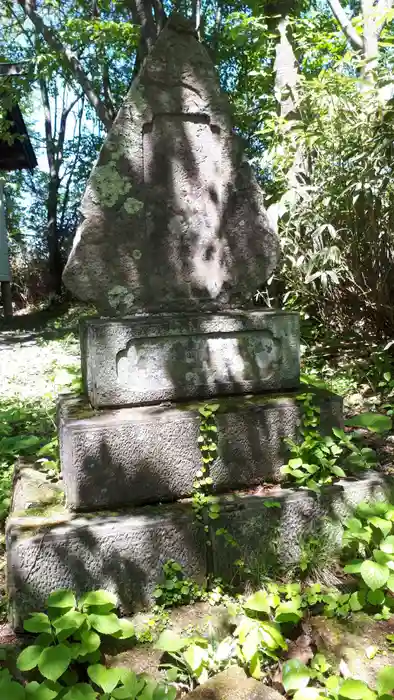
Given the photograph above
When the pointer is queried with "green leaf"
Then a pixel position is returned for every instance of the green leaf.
(271, 636)
(288, 612)
(356, 690)
(98, 599)
(90, 641)
(194, 656)
(357, 601)
(381, 524)
(105, 624)
(383, 558)
(39, 622)
(259, 602)
(387, 546)
(385, 680)
(376, 422)
(338, 471)
(295, 675)
(54, 661)
(11, 690)
(390, 583)
(105, 678)
(70, 622)
(164, 692)
(251, 645)
(131, 682)
(308, 694)
(354, 567)
(375, 597)
(295, 463)
(373, 574)
(63, 598)
(171, 642)
(81, 691)
(40, 691)
(29, 657)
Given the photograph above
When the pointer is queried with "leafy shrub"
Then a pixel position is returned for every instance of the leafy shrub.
(26, 430)
(312, 683)
(66, 654)
(368, 534)
(176, 589)
(192, 660)
(318, 460)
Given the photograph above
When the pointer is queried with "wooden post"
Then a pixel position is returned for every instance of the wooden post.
(5, 272)
(6, 299)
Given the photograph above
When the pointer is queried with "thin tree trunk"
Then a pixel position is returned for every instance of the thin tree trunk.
(371, 39)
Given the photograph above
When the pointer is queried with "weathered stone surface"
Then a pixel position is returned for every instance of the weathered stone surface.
(151, 454)
(173, 217)
(168, 357)
(33, 490)
(268, 537)
(233, 684)
(123, 553)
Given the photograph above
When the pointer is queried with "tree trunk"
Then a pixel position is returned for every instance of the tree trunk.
(370, 39)
(286, 74)
(55, 261)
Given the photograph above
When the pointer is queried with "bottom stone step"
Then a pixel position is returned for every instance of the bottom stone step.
(124, 552)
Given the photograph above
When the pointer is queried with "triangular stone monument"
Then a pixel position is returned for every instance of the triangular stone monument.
(173, 218)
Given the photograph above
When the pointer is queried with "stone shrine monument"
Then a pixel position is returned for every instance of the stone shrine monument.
(173, 244)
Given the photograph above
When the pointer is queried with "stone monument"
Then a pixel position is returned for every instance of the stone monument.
(173, 244)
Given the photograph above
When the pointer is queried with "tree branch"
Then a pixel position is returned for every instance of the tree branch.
(382, 7)
(62, 131)
(70, 60)
(346, 25)
(72, 169)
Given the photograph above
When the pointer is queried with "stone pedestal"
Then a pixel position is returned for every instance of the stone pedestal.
(168, 357)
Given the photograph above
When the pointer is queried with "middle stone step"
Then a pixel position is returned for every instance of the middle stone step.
(149, 454)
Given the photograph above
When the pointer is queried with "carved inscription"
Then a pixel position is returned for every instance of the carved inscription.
(202, 360)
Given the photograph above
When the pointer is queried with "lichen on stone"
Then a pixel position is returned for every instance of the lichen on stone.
(132, 205)
(108, 185)
(121, 299)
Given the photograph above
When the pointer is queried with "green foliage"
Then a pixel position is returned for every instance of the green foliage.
(207, 441)
(336, 225)
(26, 431)
(318, 460)
(369, 556)
(192, 660)
(260, 639)
(67, 649)
(176, 589)
(375, 422)
(313, 682)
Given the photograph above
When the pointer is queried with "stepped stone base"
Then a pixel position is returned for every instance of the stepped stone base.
(124, 552)
(150, 454)
(166, 357)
